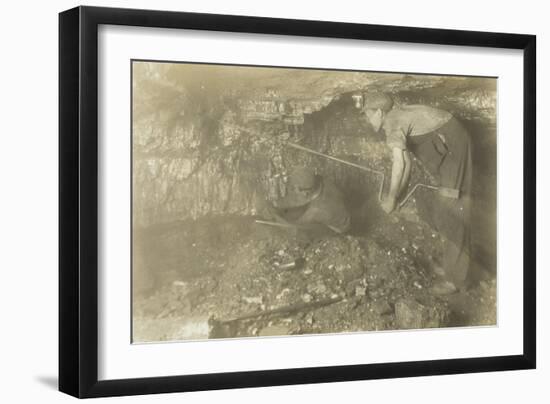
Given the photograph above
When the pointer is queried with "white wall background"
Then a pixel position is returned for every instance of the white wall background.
(28, 199)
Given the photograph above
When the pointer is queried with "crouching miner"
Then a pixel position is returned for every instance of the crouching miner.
(312, 203)
(443, 145)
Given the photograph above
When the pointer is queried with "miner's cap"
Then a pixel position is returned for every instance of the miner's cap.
(302, 177)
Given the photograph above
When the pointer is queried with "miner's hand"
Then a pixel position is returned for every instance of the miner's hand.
(272, 213)
(389, 204)
(269, 211)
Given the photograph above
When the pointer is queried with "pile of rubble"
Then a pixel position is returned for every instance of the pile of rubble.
(276, 282)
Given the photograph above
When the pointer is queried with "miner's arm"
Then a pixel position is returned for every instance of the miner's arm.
(401, 169)
(406, 173)
(274, 214)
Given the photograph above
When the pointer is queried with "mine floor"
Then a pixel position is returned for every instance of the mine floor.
(213, 271)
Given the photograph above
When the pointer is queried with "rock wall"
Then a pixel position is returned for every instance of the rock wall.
(211, 140)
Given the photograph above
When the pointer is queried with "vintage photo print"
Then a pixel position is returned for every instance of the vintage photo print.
(271, 201)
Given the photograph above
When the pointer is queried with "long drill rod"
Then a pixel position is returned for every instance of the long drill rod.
(446, 192)
(289, 309)
(349, 163)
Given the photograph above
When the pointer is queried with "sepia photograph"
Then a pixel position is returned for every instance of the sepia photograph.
(284, 201)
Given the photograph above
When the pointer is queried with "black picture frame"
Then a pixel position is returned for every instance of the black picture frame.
(78, 200)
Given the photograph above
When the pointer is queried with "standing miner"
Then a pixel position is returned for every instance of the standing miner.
(443, 145)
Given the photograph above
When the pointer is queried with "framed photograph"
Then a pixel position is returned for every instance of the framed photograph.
(251, 201)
